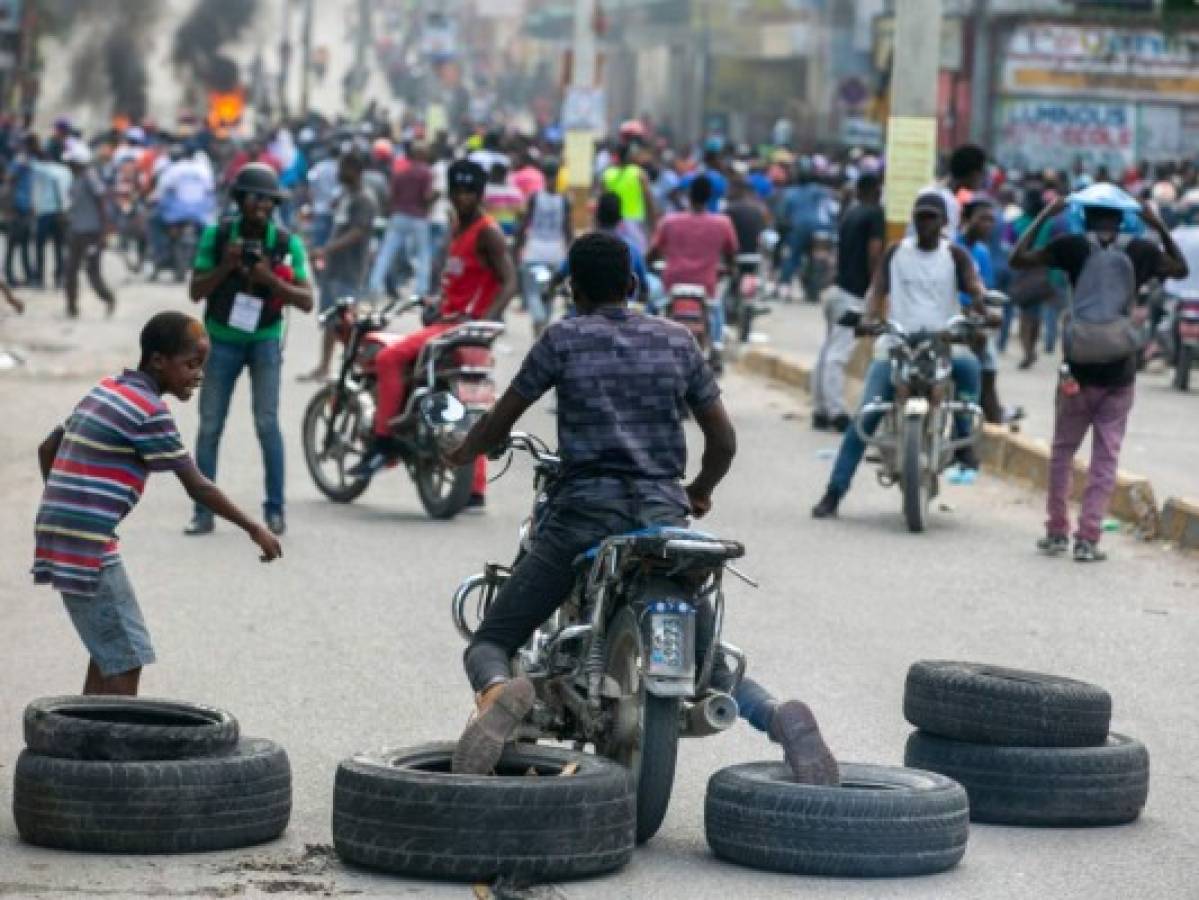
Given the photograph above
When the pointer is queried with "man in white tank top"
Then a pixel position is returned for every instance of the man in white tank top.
(919, 280)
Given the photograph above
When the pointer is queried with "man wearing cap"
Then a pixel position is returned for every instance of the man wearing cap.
(248, 271)
(478, 283)
(917, 287)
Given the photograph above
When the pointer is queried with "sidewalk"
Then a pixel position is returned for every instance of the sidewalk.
(1163, 432)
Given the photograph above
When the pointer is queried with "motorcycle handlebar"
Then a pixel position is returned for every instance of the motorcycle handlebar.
(528, 443)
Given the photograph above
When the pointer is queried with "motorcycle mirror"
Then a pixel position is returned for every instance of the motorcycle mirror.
(442, 410)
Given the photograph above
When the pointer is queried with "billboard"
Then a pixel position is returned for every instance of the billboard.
(1036, 134)
(1135, 63)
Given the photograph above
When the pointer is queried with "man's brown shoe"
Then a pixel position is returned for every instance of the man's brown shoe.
(794, 727)
(482, 743)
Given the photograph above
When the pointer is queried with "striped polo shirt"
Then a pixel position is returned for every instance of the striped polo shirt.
(117, 435)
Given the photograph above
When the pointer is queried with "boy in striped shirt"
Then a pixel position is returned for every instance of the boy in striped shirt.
(95, 468)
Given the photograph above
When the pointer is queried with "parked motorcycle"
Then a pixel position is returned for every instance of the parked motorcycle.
(626, 663)
(338, 421)
(915, 437)
(743, 295)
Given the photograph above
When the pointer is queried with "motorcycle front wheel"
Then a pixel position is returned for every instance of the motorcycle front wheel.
(444, 492)
(649, 747)
(333, 443)
(912, 477)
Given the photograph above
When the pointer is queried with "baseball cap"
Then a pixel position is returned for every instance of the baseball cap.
(465, 175)
(930, 201)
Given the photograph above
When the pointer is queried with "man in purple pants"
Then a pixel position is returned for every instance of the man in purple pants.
(1096, 387)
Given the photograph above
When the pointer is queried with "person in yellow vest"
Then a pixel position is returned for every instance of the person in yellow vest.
(627, 180)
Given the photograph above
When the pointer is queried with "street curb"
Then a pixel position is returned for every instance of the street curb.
(1023, 458)
(1180, 523)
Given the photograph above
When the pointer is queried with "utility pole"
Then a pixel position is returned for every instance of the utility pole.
(980, 74)
(305, 57)
(284, 56)
(580, 142)
(912, 126)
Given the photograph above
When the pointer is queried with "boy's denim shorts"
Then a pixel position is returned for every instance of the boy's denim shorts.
(110, 624)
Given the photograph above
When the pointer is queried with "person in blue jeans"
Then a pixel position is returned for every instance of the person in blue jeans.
(806, 209)
(917, 287)
(247, 270)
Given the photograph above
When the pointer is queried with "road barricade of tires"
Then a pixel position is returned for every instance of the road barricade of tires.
(547, 814)
(131, 775)
(1029, 748)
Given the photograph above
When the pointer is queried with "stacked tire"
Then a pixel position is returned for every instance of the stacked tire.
(140, 775)
(547, 814)
(1029, 748)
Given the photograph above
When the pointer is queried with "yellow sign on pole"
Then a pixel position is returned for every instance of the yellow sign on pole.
(911, 163)
(580, 158)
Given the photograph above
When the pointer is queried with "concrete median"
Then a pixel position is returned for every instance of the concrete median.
(1180, 522)
(1019, 457)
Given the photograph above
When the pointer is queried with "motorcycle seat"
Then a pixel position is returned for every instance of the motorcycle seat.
(664, 541)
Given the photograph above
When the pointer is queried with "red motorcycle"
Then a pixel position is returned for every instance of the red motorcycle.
(339, 420)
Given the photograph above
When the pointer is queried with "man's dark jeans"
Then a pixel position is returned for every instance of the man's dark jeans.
(542, 580)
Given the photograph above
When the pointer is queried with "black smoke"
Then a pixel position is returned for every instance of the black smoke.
(198, 41)
(118, 35)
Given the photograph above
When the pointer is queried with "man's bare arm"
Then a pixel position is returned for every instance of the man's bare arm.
(494, 251)
(720, 446)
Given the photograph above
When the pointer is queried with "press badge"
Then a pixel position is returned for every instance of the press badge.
(246, 311)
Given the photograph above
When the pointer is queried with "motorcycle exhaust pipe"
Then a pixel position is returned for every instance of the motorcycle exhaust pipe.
(715, 713)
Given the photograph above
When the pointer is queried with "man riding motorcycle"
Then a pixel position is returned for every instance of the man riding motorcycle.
(186, 193)
(623, 452)
(478, 283)
(919, 281)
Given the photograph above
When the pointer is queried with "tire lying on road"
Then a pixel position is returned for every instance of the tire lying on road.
(995, 705)
(402, 811)
(1066, 787)
(126, 728)
(235, 799)
(882, 821)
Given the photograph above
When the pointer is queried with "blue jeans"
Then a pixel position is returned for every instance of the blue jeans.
(264, 359)
(716, 322)
(322, 229)
(799, 241)
(411, 235)
(967, 378)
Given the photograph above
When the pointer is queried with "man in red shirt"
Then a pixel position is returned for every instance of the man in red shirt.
(693, 244)
(408, 229)
(478, 283)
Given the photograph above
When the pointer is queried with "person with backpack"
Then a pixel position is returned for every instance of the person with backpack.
(542, 236)
(1096, 386)
(247, 270)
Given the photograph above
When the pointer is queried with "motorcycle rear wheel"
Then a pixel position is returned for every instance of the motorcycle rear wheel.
(651, 752)
(443, 492)
(912, 477)
(340, 451)
(1182, 371)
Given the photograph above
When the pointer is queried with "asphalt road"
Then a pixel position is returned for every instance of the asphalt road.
(346, 644)
(1163, 430)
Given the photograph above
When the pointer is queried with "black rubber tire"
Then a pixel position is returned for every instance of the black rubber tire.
(235, 799)
(881, 822)
(449, 505)
(655, 764)
(401, 811)
(1042, 786)
(996, 705)
(126, 728)
(1182, 369)
(912, 482)
(344, 491)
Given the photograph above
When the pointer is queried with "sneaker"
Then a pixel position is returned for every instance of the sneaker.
(1088, 551)
(827, 507)
(477, 502)
(201, 523)
(821, 421)
(794, 727)
(276, 524)
(842, 422)
(1053, 544)
(482, 742)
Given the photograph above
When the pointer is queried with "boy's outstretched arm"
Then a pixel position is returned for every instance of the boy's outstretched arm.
(203, 491)
(720, 446)
(48, 449)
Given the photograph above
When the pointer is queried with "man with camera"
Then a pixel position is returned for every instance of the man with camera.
(248, 270)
